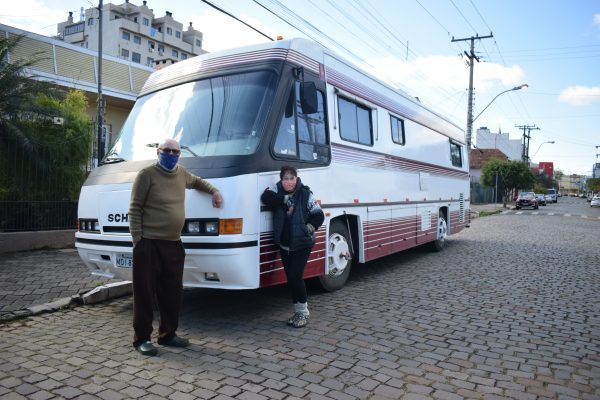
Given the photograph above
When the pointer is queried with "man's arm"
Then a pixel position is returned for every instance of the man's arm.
(202, 185)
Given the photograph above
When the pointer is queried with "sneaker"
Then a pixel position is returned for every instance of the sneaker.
(146, 349)
(290, 320)
(300, 320)
(175, 341)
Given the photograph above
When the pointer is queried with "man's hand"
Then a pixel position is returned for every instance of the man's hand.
(217, 199)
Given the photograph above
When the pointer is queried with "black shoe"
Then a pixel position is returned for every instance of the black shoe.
(147, 349)
(175, 341)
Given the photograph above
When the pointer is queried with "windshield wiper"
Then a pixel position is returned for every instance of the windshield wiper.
(112, 160)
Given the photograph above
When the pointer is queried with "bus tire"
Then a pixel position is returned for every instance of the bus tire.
(339, 257)
(442, 231)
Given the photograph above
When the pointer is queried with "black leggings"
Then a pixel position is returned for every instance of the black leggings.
(293, 264)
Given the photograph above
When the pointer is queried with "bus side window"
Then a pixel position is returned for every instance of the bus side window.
(397, 130)
(311, 132)
(455, 154)
(302, 135)
(285, 142)
(355, 122)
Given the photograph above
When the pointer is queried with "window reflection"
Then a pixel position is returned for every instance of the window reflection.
(218, 116)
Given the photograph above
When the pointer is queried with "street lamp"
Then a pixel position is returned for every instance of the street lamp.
(538, 149)
(471, 120)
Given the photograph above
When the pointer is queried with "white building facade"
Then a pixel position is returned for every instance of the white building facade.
(513, 148)
(133, 33)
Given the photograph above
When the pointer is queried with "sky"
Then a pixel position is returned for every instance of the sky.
(553, 46)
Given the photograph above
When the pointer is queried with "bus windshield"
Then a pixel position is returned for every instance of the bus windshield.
(217, 116)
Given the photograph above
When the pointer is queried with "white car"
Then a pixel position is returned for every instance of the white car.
(595, 201)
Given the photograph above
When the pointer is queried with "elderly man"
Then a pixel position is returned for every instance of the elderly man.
(156, 217)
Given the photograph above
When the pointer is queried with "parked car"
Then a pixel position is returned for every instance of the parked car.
(595, 202)
(541, 199)
(527, 199)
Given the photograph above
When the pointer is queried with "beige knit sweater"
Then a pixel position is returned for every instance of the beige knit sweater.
(156, 209)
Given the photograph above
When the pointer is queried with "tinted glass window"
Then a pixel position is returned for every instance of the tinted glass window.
(455, 154)
(302, 135)
(355, 122)
(397, 130)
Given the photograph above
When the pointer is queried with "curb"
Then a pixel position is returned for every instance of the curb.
(97, 295)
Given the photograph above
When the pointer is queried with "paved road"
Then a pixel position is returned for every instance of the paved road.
(503, 312)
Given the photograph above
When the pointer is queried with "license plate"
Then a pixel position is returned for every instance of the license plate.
(123, 261)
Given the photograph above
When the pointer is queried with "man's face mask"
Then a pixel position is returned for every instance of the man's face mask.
(167, 160)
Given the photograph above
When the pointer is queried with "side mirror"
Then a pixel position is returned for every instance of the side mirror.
(308, 97)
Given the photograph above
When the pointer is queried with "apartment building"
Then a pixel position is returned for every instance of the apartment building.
(133, 33)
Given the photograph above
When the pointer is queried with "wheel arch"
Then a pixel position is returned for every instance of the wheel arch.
(356, 233)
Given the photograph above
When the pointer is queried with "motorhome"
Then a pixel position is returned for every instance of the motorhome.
(389, 173)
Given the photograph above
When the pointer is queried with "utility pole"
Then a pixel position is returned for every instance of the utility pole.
(471, 56)
(99, 116)
(526, 138)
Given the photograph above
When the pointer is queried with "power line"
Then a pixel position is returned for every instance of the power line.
(237, 19)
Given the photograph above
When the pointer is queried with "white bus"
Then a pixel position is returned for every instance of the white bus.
(389, 173)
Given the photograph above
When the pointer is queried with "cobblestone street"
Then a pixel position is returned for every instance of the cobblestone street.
(510, 309)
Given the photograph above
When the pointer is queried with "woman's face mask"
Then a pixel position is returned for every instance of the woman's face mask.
(288, 182)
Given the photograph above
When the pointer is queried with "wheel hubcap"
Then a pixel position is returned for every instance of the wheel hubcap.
(442, 229)
(338, 255)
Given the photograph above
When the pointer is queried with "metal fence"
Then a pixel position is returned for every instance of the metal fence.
(483, 195)
(38, 187)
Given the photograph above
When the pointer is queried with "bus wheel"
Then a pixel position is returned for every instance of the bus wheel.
(442, 231)
(339, 258)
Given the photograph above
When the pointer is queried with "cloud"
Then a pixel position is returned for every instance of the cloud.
(580, 95)
(597, 19)
(41, 19)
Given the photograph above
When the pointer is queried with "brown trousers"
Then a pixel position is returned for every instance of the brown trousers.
(157, 273)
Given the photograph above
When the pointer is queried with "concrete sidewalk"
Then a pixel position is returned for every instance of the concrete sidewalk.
(36, 281)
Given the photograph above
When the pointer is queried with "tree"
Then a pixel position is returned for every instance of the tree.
(593, 185)
(512, 175)
(39, 157)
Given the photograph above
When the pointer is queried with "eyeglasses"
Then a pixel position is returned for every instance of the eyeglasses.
(171, 151)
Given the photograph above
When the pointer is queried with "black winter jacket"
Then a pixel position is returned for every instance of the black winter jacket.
(306, 211)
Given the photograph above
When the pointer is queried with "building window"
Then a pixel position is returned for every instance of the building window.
(137, 39)
(125, 35)
(145, 21)
(160, 28)
(150, 62)
(135, 19)
(355, 122)
(161, 49)
(169, 31)
(455, 154)
(72, 29)
(178, 34)
(397, 130)
(136, 57)
(183, 56)
(174, 53)
(198, 43)
(150, 46)
(90, 21)
(125, 54)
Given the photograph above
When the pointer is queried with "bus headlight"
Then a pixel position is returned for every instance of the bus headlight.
(212, 227)
(89, 225)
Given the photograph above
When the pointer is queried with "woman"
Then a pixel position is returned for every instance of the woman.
(296, 217)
